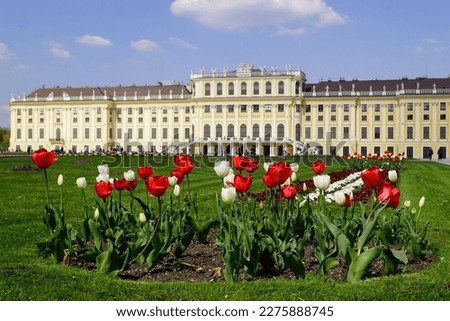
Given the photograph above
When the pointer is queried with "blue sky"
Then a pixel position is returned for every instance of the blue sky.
(98, 43)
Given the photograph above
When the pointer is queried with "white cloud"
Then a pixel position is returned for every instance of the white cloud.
(57, 50)
(21, 67)
(91, 40)
(145, 45)
(5, 54)
(180, 42)
(241, 14)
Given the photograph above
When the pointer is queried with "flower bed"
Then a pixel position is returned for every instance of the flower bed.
(348, 220)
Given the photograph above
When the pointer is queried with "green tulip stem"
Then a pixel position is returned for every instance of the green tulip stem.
(46, 187)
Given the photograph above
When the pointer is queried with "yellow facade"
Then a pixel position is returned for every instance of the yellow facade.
(247, 110)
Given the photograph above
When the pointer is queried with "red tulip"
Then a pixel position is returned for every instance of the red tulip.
(239, 162)
(242, 183)
(104, 189)
(145, 172)
(184, 163)
(120, 184)
(389, 193)
(277, 174)
(252, 166)
(288, 192)
(131, 185)
(348, 201)
(372, 177)
(178, 174)
(43, 159)
(157, 185)
(318, 167)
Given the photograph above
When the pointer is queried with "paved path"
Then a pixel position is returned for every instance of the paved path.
(443, 161)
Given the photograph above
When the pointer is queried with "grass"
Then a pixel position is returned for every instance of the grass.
(26, 276)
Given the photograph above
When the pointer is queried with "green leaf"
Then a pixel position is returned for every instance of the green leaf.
(359, 267)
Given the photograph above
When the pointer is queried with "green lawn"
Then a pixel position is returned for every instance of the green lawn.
(26, 276)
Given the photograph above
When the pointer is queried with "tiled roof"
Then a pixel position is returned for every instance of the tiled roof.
(378, 85)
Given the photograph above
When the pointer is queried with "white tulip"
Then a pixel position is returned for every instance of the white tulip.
(103, 169)
(294, 167)
(60, 180)
(173, 180)
(142, 218)
(407, 203)
(102, 177)
(176, 190)
(129, 175)
(422, 202)
(81, 182)
(322, 182)
(228, 180)
(392, 175)
(228, 194)
(339, 198)
(222, 168)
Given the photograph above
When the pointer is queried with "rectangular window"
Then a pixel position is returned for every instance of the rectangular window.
(41, 133)
(164, 119)
(255, 108)
(426, 132)
(154, 119)
(426, 106)
(153, 133)
(86, 133)
(320, 108)
(409, 106)
(333, 132)
(333, 108)
(364, 118)
(19, 112)
(346, 108)
(119, 133)
(175, 119)
(409, 132)
(164, 133)
(364, 108)
(230, 108)
(19, 133)
(243, 108)
(75, 133)
(99, 119)
(141, 110)
(409, 117)
(346, 134)
(377, 133)
(390, 117)
(443, 132)
(390, 108)
(130, 111)
(30, 133)
(320, 132)
(443, 106)
(218, 108)
(333, 118)
(364, 132)
(442, 117)
(377, 108)
(267, 107)
(30, 112)
(307, 108)
(86, 110)
(390, 132)
(307, 132)
(280, 108)
(320, 118)
(175, 134)
(377, 117)
(99, 110)
(154, 110)
(140, 133)
(186, 133)
(99, 133)
(207, 109)
(164, 110)
(130, 133)
(426, 117)
(297, 108)
(346, 118)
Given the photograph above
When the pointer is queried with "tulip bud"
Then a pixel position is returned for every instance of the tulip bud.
(392, 175)
(261, 205)
(339, 198)
(129, 175)
(96, 214)
(81, 182)
(413, 210)
(176, 190)
(173, 180)
(407, 203)
(228, 194)
(293, 176)
(294, 167)
(305, 188)
(142, 218)
(60, 180)
(422, 202)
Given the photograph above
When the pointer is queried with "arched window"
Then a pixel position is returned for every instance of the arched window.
(297, 132)
(268, 88)
(218, 130)
(297, 88)
(207, 89)
(255, 131)
(230, 130)
(244, 88)
(280, 131)
(243, 131)
(256, 88)
(267, 132)
(58, 133)
(231, 88)
(280, 88)
(219, 89)
(207, 131)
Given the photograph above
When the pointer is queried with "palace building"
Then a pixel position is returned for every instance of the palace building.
(248, 110)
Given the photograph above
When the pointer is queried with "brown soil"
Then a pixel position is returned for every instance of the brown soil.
(203, 263)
